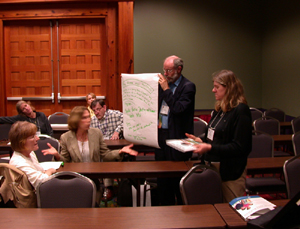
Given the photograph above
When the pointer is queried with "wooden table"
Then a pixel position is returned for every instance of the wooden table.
(131, 169)
(124, 169)
(118, 144)
(286, 127)
(188, 216)
(282, 139)
(233, 219)
(265, 165)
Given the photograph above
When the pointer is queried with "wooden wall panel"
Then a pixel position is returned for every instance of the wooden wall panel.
(2, 79)
(117, 19)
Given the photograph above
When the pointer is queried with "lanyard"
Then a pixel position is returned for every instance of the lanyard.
(221, 115)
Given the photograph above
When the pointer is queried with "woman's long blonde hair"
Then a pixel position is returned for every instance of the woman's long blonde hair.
(234, 90)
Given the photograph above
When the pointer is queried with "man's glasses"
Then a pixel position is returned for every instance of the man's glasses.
(168, 70)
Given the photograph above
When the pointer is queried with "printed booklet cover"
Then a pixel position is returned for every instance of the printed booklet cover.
(251, 207)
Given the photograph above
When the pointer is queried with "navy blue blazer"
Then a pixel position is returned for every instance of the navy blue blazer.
(181, 117)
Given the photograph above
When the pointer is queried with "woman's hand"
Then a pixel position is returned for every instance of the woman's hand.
(202, 148)
(128, 150)
(51, 151)
(193, 137)
(50, 171)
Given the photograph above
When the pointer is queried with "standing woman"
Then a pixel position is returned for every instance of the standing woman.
(27, 113)
(90, 97)
(228, 140)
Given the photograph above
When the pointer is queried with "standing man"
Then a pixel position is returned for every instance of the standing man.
(110, 122)
(176, 117)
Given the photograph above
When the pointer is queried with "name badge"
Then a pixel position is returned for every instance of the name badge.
(164, 110)
(210, 134)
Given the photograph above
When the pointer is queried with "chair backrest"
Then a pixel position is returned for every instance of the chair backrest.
(262, 145)
(296, 124)
(16, 187)
(58, 118)
(268, 125)
(291, 169)
(296, 143)
(66, 190)
(201, 185)
(275, 113)
(4, 130)
(42, 143)
(255, 113)
(200, 126)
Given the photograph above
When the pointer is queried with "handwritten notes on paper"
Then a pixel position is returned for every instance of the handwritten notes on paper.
(140, 103)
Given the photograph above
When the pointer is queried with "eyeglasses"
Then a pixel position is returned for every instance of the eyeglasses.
(168, 70)
(97, 109)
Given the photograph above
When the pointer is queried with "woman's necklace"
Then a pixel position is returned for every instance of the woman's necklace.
(82, 138)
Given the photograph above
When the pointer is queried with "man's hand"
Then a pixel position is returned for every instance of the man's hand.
(163, 82)
(115, 136)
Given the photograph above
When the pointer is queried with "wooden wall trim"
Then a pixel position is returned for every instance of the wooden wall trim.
(125, 31)
(2, 87)
(57, 1)
(53, 11)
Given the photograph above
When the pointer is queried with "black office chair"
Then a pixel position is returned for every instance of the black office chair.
(58, 118)
(270, 126)
(296, 124)
(296, 143)
(42, 143)
(262, 145)
(200, 126)
(256, 113)
(275, 113)
(4, 130)
(291, 171)
(201, 185)
(66, 190)
(267, 125)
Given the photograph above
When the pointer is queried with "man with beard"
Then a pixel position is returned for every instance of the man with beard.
(176, 117)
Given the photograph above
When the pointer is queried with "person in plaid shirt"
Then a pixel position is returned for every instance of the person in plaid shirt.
(110, 122)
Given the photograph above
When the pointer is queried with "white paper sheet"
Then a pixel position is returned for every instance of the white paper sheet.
(140, 104)
(51, 164)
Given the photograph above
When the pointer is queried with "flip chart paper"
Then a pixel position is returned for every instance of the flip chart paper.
(140, 107)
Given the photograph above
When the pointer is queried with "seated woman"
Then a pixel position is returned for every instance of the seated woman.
(23, 138)
(84, 144)
(90, 97)
(27, 113)
(228, 140)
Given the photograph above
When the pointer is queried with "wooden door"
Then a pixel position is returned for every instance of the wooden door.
(28, 71)
(54, 63)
